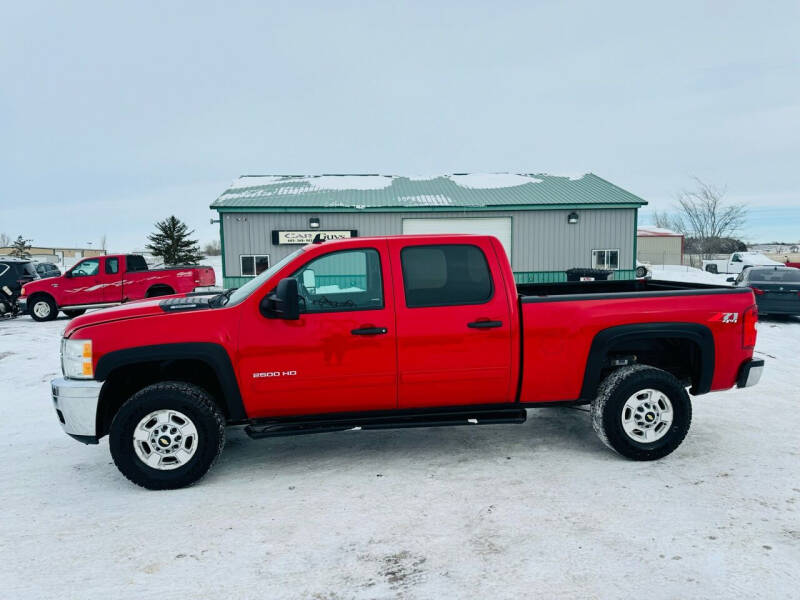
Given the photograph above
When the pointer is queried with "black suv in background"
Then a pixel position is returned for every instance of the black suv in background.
(46, 269)
(16, 272)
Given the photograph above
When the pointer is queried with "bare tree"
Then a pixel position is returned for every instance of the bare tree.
(704, 215)
(212, 248)
(663, 220)
(5, 240)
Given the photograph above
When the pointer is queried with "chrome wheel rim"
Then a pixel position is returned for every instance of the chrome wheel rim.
(165, 439)
(41, 309)
(647, 416)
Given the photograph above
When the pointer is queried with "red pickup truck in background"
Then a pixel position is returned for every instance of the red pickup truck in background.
(406, 331)
(106, 281)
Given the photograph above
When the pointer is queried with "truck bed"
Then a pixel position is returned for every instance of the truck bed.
(594, 290)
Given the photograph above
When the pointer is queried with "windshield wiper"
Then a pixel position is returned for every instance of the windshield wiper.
(222, 299)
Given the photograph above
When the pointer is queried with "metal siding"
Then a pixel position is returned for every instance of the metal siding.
(541, 240)
(660, 250)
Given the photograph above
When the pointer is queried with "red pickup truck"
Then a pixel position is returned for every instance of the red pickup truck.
(406, 331)
(107, 281)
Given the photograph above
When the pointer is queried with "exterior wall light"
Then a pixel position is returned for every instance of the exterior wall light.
(313, 223)
(572, 218)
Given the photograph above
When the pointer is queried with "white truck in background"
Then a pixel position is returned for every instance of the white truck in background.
(737, 262)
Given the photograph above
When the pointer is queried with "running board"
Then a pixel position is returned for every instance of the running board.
(301, 426)
(80, 306)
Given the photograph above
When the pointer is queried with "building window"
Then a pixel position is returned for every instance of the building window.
(605, 259)
(254, 264)
(448, 275)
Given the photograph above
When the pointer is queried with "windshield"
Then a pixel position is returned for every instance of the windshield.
(775, 275)
(251, 286)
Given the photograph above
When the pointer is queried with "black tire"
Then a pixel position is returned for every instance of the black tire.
(641, 272)
(617, 388)
(712, 269)
(159, 290)
(192, 401)
(74, 313)
(42, 307)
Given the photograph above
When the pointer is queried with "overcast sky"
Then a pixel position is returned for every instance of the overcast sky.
(112, 117)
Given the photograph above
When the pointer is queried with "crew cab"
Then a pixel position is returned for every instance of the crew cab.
(737, 262)
(406, 331)
(108, 280)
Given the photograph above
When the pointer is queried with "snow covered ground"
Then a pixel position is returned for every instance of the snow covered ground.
(540, 510)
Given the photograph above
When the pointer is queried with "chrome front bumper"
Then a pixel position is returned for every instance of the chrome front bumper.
(750, 373)
(75, 402)
(22, 305)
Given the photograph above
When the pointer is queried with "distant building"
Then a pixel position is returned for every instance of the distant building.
(56, 254)
(546, 223)
(659, 246)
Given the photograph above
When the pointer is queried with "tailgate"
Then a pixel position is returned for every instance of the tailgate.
(206, 277)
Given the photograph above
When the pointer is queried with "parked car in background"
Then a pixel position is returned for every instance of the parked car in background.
(108, 280)
(16, 272)
(46, 269)
(777, 289)
(392, 332)
(738, 262)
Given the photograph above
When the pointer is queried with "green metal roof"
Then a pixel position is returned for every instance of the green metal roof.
(384, 193)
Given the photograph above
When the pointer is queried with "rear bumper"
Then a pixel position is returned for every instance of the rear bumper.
(750, 373)
(76, 402)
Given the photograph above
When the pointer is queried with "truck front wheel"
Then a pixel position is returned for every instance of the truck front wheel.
(641, 412)
(42, 308)
(167, 435)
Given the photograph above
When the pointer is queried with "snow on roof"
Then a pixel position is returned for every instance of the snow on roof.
(447, 192)
(651, 231)
(484, 181)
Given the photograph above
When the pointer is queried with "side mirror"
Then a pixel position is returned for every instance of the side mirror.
(309, 279)
(68, 274)
(283, 303)
(731, 279)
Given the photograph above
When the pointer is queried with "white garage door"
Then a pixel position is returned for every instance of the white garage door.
(500, 227)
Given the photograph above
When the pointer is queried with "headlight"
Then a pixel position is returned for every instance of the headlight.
(76, 359)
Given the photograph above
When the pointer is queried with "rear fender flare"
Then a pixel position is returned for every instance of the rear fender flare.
(608, 338)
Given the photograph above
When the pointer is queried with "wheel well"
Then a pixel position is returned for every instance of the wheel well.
(686, 350)
(126, 380)
(35, 295)
(679, 356)
(159, 289)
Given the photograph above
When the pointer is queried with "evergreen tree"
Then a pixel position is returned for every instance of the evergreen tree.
(20, 248)
(171, 242)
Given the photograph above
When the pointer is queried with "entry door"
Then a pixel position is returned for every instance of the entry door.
(453, 324)
(340, 355)
(82, 286)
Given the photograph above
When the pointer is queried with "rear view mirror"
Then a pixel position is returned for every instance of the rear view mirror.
(283, 303)
(309, 279)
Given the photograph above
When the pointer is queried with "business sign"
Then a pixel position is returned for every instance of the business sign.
(306, 237)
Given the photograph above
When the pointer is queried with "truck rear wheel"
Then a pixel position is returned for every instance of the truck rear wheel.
(43, 308)
(641, 412)
(76, 312)
(167, 435)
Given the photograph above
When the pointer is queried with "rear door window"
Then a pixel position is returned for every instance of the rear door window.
(112, 266)
(445, 275)
(135, 262)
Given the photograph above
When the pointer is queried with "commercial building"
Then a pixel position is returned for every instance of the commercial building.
(546, 223)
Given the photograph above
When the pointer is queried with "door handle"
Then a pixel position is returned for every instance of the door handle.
(485, 324)
(369, 331)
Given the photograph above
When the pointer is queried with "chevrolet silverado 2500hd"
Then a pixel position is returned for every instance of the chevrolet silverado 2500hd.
(407, 331)
(108, 280)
